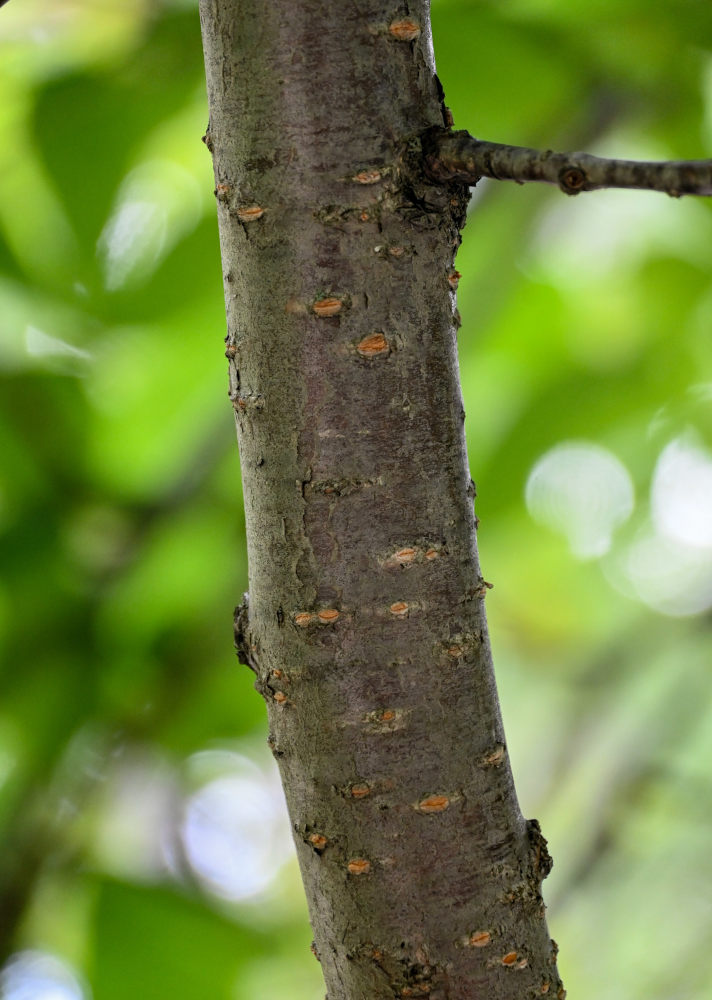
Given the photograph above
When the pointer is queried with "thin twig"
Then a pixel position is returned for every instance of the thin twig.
(459, 156)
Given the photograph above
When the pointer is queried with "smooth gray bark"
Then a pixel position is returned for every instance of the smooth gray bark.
(365, 624)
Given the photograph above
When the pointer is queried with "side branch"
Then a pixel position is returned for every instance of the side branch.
(459, 156)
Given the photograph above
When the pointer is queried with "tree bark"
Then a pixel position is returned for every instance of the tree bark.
(365, 624)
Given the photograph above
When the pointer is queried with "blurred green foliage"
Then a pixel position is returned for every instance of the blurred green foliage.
(121, 531)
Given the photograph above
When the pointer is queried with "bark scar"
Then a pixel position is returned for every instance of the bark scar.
(541, 860)
(244, 645)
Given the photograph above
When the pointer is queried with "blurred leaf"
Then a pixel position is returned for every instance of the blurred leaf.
(157, 943)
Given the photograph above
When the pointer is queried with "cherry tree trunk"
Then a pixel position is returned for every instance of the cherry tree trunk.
(365, 622)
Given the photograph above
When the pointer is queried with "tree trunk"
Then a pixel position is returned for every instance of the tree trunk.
(365, 624)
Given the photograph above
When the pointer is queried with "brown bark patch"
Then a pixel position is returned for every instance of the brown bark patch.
(327, 307)
(368, 177)
(249, 213)
(495, 757)
(434, 804)
(373, 345)
(405, 30)
(359, 866)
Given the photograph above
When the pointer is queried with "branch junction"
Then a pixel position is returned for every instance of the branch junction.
(459, 156)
